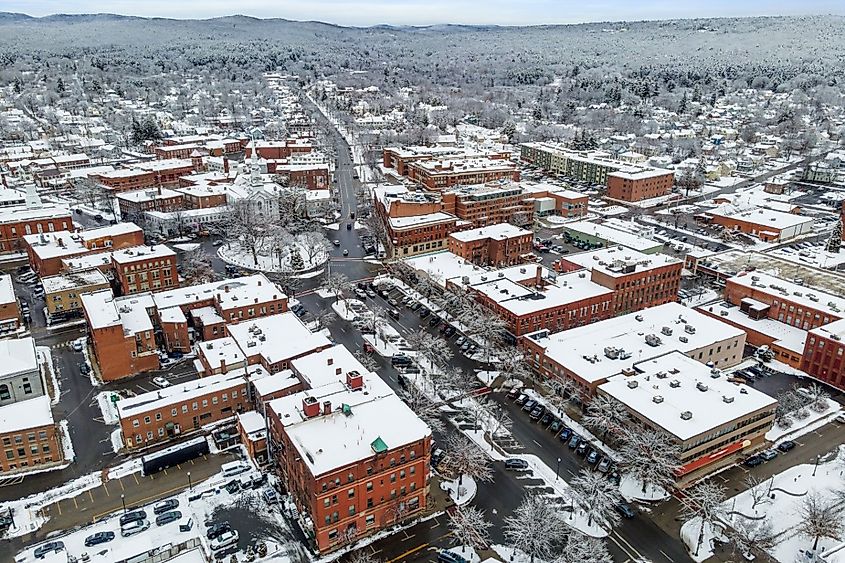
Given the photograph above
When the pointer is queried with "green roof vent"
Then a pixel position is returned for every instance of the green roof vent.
(379, 446)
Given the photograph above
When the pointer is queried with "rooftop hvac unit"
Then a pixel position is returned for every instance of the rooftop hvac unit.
(674, 384)
(701, 386)
(715, 374)
(582, 275)
(666, 331)
(653, 340)
(611, 352)
(629, 372)
(632, 384)
(624, 354)
(727, 399)
(689, 329)
(683, 339)
(522, 270)
(657, 399)
(660, 375)
(686, 415)
(638, 318)
(723, 313)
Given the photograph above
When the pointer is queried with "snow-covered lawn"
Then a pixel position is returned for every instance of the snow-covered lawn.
(801, 427)
(512, 555)
(632, 489)
(463, 493)
(783, 511)
(691, 532)
(67, 444)
(234, 253)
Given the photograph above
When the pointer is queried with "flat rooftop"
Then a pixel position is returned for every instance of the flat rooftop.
(18, 356)
(135, 253)
(163, 398)
(499, 231)
(276, 338)
(230, 293)
(682, 396)
(7, 289)
(787, 336)
(615, 260)
(613, 235)
(761, 216)
(23, 415)
(327, 366)
(443, 266)
(420, 220)
(73, 280)
(581, 350)
(804, 295)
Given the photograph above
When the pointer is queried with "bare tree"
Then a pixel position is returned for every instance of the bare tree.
(599, 497)
(366, 360)
(469, 527)
(325, 317)
(649, 456)
(423, 406)
(500, 420)
(247, 228)
(703, 502)
(582, 548)
(756, 490)
(820, 518)
(748, 534)
(431, 348)
(536, 528)
(606, 415)
(465, 458)
(486, 328)
(196, 267)
(314, 244)
(363, 555)
(336, 284)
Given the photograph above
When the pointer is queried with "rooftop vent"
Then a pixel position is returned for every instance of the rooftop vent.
(639, 318)
(701, 386)
(727, 399)
(632, 384)
(666, 331)
(689, 329)
(683, 339)
(657, 399)
(674, 384)
(686, 415)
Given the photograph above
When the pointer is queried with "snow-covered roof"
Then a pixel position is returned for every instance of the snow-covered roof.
(253, 424)
(163, 398)
(498, 231)
(357, 419)
(136, 253)
(71, 280)
(7, 290)
(152, 194)
(420, 220)
(104, 310)
(55, 244)
(613, 261)
(276, 338)
(108, 231)
(614, 236)
(760, 216)
(327, 366)
(266, 384)
(682, 396)
(637, 173)
(442, 266)
(221, 351)
(809, 297)
(18, 357)
(581, 349)
(786, 336)
(235, 292)
(207, 315)
(172, 315)
(23, 415)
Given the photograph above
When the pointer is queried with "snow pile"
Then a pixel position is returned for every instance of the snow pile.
(632, 488)
(467, 552)
(789, 489)
(187, 247)
(45, 358)
(116, 440)
(463, 493)
(691, 532)
(67, 444)
(801, 427)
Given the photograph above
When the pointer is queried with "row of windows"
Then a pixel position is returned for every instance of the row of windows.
(34, 450)
(30, 437)
(224, 397)
(350, 477)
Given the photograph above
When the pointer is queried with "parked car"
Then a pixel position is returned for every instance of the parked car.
(224, 540)
(84, 368)
(582, 447)
(165, 506)
(516, 463)
(625, 510)
(592, 457)
(840, 418)
(449, 557)
(537, 412)
(604, 465)
(336, 242)
(521, 399)
(270, 496)
(450, 330)
(753, 461)
(529, 405)
(216, 529)
(565, 434)
(573, 442)
(77, 346)
(160, 381)
(513, 393)
(547, 419)
(424, 312)
(98, 538)
(768, 454)
(49, 547)
(555, 426)
(168, 517)
(460, 340)
(132, 517)
(786, 445)
(134, 527)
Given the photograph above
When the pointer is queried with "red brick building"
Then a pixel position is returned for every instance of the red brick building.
(179, 409)
(10, 311)
(824, 352)
(350, 488)
(277, 150)
(399, 158)
(29, 436)
(176, 151)
(408, 236)
(145, 175)
(639, 184)
(437, 175)
(309, 176)
(145, 268)
(47, 252)
(17, 222)
(496, 245)
(497, 202)
(134, 204)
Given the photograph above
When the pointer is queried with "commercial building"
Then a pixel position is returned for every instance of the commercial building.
(714, 422)
(29, 436)
(823, 353)
(350, 474)
(607, 234)
(439, 175)
(408, 236)
(170, 412)
(134, 204)
(17, 222)
(637, 280)
(48, 251)
(10, 311)
(489, 204)
(274, 341)
(144, 175)
(399, 158)
(20, 374)
(637, 184)
(145, 268)
(277, 150)
(252, 428)
(495, 245)
(549, 199)
(220, 355)
(766, 224)
(589, 355)
(63, 292)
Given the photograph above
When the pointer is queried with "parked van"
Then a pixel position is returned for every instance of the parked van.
(134, 527)
(234, 468)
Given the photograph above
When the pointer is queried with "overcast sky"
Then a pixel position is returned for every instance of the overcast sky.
(422, 12)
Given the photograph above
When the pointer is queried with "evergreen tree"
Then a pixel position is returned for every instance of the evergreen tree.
(17, 86)
(682, 107)
(60, 85)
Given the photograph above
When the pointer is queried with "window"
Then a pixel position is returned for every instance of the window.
(370, 486)
(160, 432)
(7, 441)
(146, 420)
(326, 502)
(332, 534)
(27, 388)
(350, 493)
(172, 412)
(149, 435)
(158, 416)
(10, 454)
(4, 393)
(352, 510)
(204, 403)
(135, 423)
(184, 409)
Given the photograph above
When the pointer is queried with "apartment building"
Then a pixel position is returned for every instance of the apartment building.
(496, 245)
(399, 158)
(412, 235)
(439, 175)
(589, 355)
(63, 292)
(17, 222)
(278, 150)
(167, 413)
(29, 436)
(145, 268)
(134, 204)
(489, 204)
(714, 422)
(637, 184)
(20, 374)
(350, 474)
(144, 175)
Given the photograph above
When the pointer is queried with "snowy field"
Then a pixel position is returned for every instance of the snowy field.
(269, 261)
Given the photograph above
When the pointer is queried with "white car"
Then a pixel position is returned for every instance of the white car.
(161, 382)
(77, 346)
(224, 540)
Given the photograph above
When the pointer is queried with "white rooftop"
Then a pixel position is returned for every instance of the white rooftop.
(135, 253)
(162, 398)
(104, 310)
(612, 261)
(23, 415)
(786, 289)
(787, 336)
(420, 220)
(613, 235)
(442, 266)
(581, 349)
(7, 290)
(152, 194)
(253, 424)
(110, 231)
(327, 366)
(18, 356)
(266, 384)
(71, 280)
(221, 351)
(682, 385)
(276, 338)
(232, 293)
(498, 231)
(761, 216)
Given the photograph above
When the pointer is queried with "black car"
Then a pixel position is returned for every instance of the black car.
(513, 393)
(753, 461)
(625, 510)
(424, 312)
(434, 321)
(84, 369)
(98, 538)
(165, 506)
(49, 547)
(516, 463)
(450, 330)
(217, 529)
(414, 306)
(132, 516)
(786, 445)
(547, 419)
(400, 360)
(168, 517)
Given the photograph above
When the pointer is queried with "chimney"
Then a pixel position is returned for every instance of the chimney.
(310, 407)
(330, 361)
(218, 297)
(225, 165)
(259, 283)
(327, 407)
(338, 370)
(223, 366)
(538, 278)
(355, 380)
(226, 287)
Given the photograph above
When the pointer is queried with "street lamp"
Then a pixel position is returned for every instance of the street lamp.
(123, 502)
(557, 471)
(190, 485)
(817, 465)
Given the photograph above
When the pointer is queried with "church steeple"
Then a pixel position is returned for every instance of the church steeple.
(254, 168)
